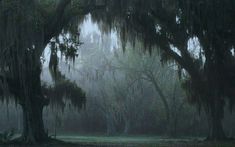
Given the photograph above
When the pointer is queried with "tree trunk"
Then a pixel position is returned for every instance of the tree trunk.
(32, 104)
(127, 126)
(215, 117)
(165, 104)
(33, 127)
(163, 99)
(111, 128)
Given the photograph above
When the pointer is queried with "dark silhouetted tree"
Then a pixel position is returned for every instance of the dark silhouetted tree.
(26, 27)
(197, 34)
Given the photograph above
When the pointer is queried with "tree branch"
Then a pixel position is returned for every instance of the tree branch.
(56, 18)
(179, 39)
(63, 15)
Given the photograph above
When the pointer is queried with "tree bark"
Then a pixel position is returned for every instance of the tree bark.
(32, 104)
(33, 127)
(215, 117)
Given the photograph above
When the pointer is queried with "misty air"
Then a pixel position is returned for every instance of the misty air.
(117, 73)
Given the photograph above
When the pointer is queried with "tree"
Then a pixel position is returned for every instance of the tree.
(148, 68)
(26, 28)
(114, 91)
(124, 81)
(173, 26)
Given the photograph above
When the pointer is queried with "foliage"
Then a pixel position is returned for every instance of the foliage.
(23, 38)
(173, 26)
(26, 28)
(160, 23)
(167, 25)
(120, 88)
(65, 92)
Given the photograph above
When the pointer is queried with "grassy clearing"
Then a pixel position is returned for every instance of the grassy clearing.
(141, 141)
(128, 141)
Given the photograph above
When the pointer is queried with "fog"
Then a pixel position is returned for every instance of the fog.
(122, 98)
(116, 72)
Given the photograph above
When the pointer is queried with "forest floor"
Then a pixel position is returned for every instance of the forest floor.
(143, 141)
(130, 141)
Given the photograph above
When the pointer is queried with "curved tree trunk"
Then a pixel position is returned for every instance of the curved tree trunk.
(32, 104)
(165, 104)
(215, 117)
(163, 99)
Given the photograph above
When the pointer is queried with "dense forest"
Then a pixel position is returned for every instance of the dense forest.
(162, 69)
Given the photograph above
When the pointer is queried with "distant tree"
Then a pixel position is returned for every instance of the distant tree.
(125, 80)
(173, 26)
(112, 91)
(163, 78)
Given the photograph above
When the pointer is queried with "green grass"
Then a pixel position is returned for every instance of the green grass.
(139, 141)
(129, 141)
(106, 139)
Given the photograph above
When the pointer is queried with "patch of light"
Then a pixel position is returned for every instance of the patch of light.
(195, 49)
(175, 49)
(233, 51)
(45, 58)
(177, 20)
(53, 39)
(114, 40)
(88, 27)
(158, 29)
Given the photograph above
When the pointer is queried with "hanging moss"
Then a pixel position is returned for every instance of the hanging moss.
(22, 41)
(211, 22)
(64, 93)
